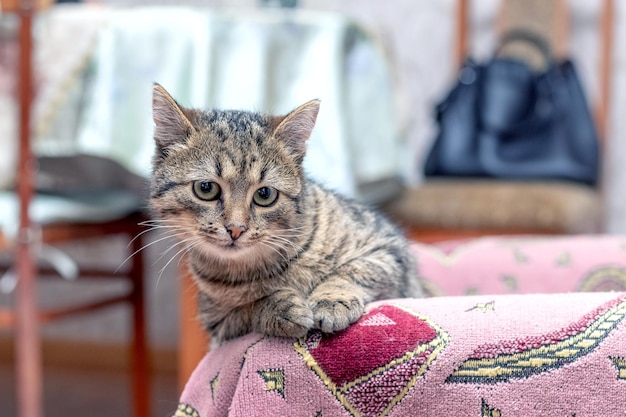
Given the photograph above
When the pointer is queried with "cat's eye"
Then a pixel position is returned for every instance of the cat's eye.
(265, 196)
(206, 190)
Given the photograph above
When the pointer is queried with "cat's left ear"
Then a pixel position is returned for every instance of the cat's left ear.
(295, 128)
(172, 126)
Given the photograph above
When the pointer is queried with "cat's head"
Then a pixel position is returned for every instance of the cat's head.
(229, 183)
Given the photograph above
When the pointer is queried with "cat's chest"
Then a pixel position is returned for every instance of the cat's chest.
(233, 295)
(302, 275)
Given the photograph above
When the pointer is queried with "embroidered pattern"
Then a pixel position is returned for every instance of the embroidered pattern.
(620, 364)
(610, 278)
(274, 380)
(490, 306)
(564, 259)
(215, 383)
(185, 410)
(378, 319)
(244, 357)
(519, 256)
(510, 282)
(486, 411)
(450, 256)
(471, 291)
(373, 381)
(521, 358)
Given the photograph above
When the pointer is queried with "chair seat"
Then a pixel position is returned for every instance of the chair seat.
(79, 207)
(548, 207)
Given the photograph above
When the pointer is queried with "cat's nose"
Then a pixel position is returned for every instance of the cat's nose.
(235, 230)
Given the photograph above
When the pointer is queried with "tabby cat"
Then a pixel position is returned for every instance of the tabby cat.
(270, 250)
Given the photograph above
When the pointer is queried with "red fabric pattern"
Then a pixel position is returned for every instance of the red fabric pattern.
(363, 348)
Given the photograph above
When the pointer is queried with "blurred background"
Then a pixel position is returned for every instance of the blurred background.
(379, 68)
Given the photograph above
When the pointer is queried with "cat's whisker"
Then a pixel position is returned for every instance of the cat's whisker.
(290, 236)
(185, 249)
(152, 221)
(297, 228)
(162, 226)
(281, 240)
(180, 242)
(147, 245)
(276, 241)
(286, 237)
(151, 229)
(303, 229)
(282, 247)
(272, 246)
(187, 245)
(296, 231)
(189, 249)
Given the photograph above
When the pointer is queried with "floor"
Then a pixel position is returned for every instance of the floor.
(93, 393)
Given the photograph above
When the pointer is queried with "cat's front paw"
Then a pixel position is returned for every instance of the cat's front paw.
(287, 319)
(332, 313)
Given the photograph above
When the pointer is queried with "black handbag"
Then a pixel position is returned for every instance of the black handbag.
(505, 120)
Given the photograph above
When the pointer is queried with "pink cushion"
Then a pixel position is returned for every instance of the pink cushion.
(514, 355)
(505, 265)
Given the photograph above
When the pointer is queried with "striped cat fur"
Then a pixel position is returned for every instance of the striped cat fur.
(270, 250)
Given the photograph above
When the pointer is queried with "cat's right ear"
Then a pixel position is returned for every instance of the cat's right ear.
(296, 128)
(171, 124)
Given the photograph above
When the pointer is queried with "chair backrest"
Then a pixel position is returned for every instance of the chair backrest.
(555, 17)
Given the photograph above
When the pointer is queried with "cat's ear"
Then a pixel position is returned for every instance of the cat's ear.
(295, 128)
(172, 125)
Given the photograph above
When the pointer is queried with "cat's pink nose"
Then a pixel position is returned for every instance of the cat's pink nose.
(235, 230)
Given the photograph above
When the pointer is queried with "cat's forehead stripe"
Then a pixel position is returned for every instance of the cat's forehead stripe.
(234, 121)
(232, 132)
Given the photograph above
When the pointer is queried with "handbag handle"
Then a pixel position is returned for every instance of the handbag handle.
(531, 38)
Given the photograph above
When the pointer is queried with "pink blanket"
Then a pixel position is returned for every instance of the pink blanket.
(523, 265)
(513, 355)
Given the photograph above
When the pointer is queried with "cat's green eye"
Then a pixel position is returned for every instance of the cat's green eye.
(265, 196)
(206, 190)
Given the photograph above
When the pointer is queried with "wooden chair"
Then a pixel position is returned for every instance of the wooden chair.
(26, 316)
(455, 209)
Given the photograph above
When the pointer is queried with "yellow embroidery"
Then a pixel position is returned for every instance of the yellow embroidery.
(471, 291)
(605, 279)
(215, 383)
(620, 364)
(510, 282)
(486, 411)
(564, 259)
(542, 358)
(490, 306)
(185, 410)
(519, 256)
(274, 380)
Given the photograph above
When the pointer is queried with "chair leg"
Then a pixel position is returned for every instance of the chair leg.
(29, 367)
(139, 350)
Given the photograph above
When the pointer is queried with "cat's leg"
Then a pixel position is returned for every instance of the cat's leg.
(284, 313)
(339, 300)
(224, 322)
(336, 303)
